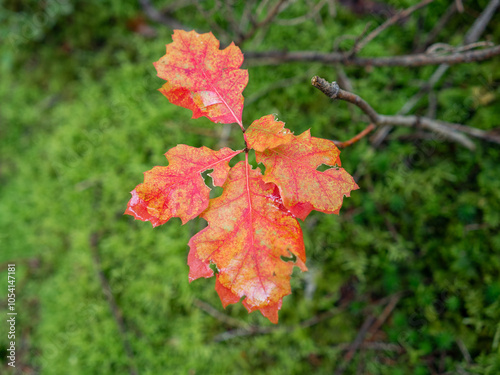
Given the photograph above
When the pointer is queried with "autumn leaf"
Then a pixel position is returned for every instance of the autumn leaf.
(253, 237)
(267, 132)
(249, 231)
(179, 190)
(293, 167)
(203, 78)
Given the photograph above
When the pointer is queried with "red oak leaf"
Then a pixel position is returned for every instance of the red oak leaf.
(249, 231)
(292, 166)
(267, 132)
(253, 237)
(179, 190)
(203, 78)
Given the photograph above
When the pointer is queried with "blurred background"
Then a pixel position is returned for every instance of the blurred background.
(406, 280)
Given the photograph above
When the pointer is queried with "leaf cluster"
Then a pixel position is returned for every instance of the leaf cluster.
(252, 226)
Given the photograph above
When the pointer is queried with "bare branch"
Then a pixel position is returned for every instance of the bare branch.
(153, 14)
(440, 25)
(333, 91)
(255, 27)
(369, 327)
(448, 130)
(356, 138)
(420, 59)
(464, 350)
(256, 330)
(481, 22)
(391, 21)
(385, 314)
(298, 20)
(443, 47)
(382, 346)
(356, 344)
(472, 36)
(226, 319)
(113, 306)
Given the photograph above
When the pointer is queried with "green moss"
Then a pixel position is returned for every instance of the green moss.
(82, 120)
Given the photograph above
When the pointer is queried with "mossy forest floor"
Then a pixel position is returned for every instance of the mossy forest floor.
(99, 293)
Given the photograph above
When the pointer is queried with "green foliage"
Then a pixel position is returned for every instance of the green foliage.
(81, 119)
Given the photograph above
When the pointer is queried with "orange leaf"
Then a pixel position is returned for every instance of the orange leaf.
(203, 78)
(249, 231)
(292, 167)
(179, 189)
(266, 133)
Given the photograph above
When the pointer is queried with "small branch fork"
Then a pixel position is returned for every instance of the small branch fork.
(391, 21)
(453, 132)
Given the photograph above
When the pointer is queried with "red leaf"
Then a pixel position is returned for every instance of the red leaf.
(292, 167)
(203, 78)
(252, 228)
(179, 189)
(248, 232)
(266, 133)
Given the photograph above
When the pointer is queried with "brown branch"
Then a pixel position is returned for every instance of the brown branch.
(385, 314)
(369, 327)
(115, 310)
(256, 26)
(443, 47)
(153, 14)
(419, 59)
(356, 138)
(464, 350)
(481, 22)
(472, 36)
(226, 319)
(360, 337)
(448, 130)
(382, 346)
(256, 330)
(391, 21)
(305, 17)
(439, 26)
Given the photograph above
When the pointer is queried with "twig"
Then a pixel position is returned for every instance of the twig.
(438, 47)
(382, 133)
(391, 21)
(369, 327)
(355, 48)
(256, 26)
(153, 14)
(115, 310)
(445, 129)
(356, 138)
(298, 20)
(413, 60)
(208, 15)
(385, 314)
(226, 319)
(481, 22)
(472, 36)
(355, 344)
(440, 25)
(230, 16)
(255, 330)
(465, 351)
(333, 91)
(448, 130)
